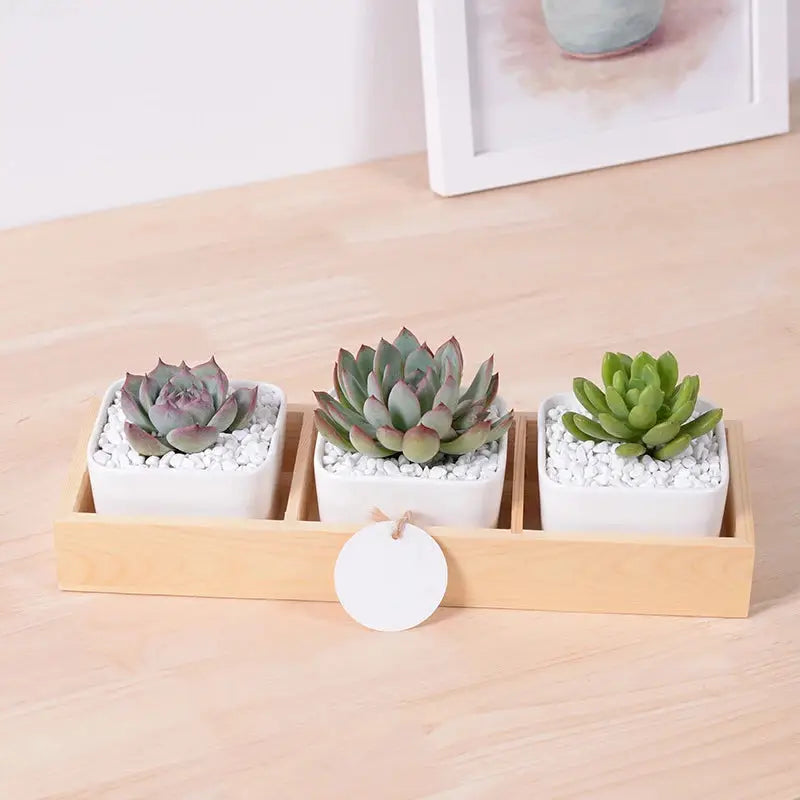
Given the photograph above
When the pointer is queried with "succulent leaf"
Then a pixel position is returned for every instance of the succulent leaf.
(630, 450)
(439, 419)
(500, 426)
(406, 342)
(449, 360)
(668, 372)
(132, 383)
(632, 397)
(661, 433)
(642, 417)
(387, 356)
(620, 382)
(403, 406)
(200, 406)
(595, 396)
(246, 400)
(682, 413)
(426, 390)
(375, 387)
(420, 444)
(616, 427)
(593, 429)
(447, 394)
(390, 438)
(148, 391)
(626, 362)
(467, 417)
(225, 414)
(651, 397)
(376, 413)
(365, 444)
(419, 359)
(215, 380)
(192, 438)
(330, 431)
(705, 423)
(568, 419)
(580, 394)
(182, 380)
(650, 377)
(468, 441)
(142, 442)
(640, 361)
(615, 403)
(480, 383)
(673, 448)
(491, 392)
(166, 415)
(365, 360)
(611, 365)
(134, 412)
(162, 373)
(355, 392)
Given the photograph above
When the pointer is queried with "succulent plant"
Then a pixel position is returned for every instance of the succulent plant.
(644, 407)
(402, 398)
(178, 408)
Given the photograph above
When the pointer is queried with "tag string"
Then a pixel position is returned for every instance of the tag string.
(401, 523)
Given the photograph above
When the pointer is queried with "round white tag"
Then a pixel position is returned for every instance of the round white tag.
(390, 584)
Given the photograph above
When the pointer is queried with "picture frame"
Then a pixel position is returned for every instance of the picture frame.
(458, 164)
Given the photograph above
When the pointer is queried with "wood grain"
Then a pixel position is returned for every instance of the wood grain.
(120, 697)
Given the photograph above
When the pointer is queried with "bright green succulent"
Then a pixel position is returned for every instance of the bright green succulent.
(643, 407)
(183, 409)
(403, 398)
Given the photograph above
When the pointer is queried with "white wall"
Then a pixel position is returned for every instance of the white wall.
(110, 102)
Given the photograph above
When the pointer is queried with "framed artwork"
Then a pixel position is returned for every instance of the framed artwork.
(519, 90)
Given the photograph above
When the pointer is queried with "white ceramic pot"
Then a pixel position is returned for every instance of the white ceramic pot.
(465, 504)
(624, 509)
(176, 492)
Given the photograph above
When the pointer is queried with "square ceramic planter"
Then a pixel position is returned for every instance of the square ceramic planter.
(625, 509)
(139, 491)
(462, 503)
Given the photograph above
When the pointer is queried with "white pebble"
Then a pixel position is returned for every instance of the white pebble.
(101, 458)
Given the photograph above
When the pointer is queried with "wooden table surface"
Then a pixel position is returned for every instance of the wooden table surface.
(106, 696)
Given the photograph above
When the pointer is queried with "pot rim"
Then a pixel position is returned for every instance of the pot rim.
(568, 399)
(180, 474)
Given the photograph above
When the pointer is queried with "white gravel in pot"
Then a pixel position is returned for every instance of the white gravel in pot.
(577, 463)
(244, 450)
(481, 463)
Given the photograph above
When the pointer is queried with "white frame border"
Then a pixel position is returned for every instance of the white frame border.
(454, 167)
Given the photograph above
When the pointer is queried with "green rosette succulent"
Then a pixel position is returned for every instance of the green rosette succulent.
(181, 408)
(403, 398)
(643, 407)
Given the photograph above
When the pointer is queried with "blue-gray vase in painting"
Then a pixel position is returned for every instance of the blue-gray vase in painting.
(601, 28)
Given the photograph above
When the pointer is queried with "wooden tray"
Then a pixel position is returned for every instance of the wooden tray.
(292, 556)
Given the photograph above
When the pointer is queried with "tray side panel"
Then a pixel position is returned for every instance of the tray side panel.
(492, 569)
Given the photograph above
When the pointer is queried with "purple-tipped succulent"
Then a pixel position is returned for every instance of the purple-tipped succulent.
(404, 398)
(182, 408)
